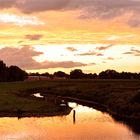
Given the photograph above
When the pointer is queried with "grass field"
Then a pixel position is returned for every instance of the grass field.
(11, 101)
(119, 96)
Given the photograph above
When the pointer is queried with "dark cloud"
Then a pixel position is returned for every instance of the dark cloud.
(71, 49)
(100, 8)
(86, 53)
(64, 64)
(20, 57)
(34, 37)
(134, 21)
(104, 9)
(96, 52)
(29, 6)
(7, 3)
(104, 47)
(99, 54)
(23, 57)
(133, 51)
(108, 9)
(89, 53)
(128, 53)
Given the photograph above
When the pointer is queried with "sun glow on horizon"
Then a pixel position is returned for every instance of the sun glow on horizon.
(66, 36)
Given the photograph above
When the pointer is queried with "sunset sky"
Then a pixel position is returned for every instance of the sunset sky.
(51, 35)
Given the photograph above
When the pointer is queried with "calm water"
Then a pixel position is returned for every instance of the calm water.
(82, 124)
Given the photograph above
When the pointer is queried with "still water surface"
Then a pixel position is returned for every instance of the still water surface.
(82, 124)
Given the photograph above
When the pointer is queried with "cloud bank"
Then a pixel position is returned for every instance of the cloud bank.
(104, 9)
(23, 57)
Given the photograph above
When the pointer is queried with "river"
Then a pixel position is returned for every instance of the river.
(83, 123)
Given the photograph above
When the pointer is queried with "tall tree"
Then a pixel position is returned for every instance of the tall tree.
(3, 72)
(16, 74)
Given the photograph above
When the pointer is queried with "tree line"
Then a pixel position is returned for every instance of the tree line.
(12, 73)
(79, 74)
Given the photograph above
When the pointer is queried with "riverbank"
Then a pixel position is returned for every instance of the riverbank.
(120, 97)
(13, 103)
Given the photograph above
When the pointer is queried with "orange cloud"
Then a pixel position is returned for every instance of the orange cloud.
(34, 37)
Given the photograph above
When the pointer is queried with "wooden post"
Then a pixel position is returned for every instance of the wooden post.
(74, 116)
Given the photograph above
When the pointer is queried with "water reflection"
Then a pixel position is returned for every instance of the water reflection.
(83, 123)
(89, 124)
(38, 95)
(133, 125)
(73, 105)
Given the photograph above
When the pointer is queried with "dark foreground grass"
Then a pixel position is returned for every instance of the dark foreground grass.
(13, 98)
(118, 96)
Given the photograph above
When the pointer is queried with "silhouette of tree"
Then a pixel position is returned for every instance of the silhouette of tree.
(48, 75)
(76, 74)
(45, 74)
(91, 76)
(12, 73)
(34, 74)
(109, 74)
(16, 74)
(127, 75)
(3, 72)
(138, 76)
(61, 74)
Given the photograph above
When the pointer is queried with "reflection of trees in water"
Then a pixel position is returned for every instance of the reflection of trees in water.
(133, 124)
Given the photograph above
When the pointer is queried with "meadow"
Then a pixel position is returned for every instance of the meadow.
(120, 97)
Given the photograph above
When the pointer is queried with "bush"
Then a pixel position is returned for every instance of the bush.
(136, 98)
